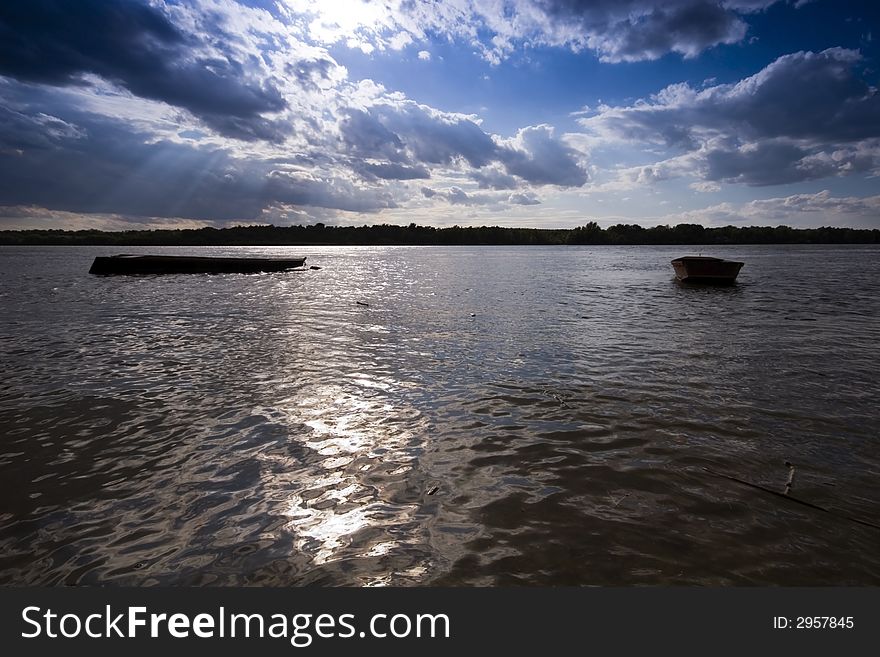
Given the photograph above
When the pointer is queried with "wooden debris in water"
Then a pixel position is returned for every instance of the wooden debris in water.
(790, 482)
(785, 496)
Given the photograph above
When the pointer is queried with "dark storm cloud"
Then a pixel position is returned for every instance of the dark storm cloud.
(769, 163)
(815, 96)
(393, 171)
(687, 28)
(56, 155)
(414, 138)
(805, 116)
(19, 130)
(79, 162)
(490, 178)
(543, 160)
(365, 136)
(777, 162)
(434, 138)
(616, 30)
(136, 46)
(753, 5)
(61, 149)
(805, 95)
(115, 171)
(289, 188)
(636, 30)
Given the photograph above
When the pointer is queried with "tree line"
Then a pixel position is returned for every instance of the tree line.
(391, 234)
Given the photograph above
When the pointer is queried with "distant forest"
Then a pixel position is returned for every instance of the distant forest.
(386, 234)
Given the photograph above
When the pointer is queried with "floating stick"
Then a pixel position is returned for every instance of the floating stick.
(785, 496)
(790, 482)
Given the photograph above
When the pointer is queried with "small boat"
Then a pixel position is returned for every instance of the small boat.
(703, 269)
(166, 264)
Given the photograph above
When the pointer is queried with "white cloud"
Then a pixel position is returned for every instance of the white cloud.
(401, 131)
(297, 138)
(805, 116)
(705, 187)
(616, 30)
(457, 196)
(524, 198)
(494, 177)
(537, 156)
(320, 140)
(803, 210)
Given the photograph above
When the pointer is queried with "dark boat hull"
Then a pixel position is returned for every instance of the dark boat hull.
(700, 269)
(160, 264)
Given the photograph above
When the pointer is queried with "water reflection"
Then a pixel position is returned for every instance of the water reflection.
(493, 416)
(348, 505)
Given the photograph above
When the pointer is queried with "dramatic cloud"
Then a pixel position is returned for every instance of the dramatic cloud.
(777, 162)
(494, 178)
(137, 46)
(536, 156)
(803, 117)
(58, 156)
(412, 137)
(364, 135)
(804, 95)
(434, 137)
(526, 198)
(297, 188)
(639, 30)
(89, 163)
(616, 30)
(19, 130)
(150, 111)
(124, 108)
(392, 170)
(457, 196)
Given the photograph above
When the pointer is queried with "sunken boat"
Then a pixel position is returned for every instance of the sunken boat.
(165, 264)
(704, 269)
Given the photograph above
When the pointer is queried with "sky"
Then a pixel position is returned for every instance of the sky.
(129, 114)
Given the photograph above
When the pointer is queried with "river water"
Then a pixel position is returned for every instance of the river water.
(441, 416)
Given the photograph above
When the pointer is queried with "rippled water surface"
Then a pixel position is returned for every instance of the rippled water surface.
(492, 416)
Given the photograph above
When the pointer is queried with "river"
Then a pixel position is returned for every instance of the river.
(418, 416)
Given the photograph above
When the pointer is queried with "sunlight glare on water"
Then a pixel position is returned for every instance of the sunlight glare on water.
(440, 416)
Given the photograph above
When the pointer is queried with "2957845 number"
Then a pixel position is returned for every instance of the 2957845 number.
(813, 622)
